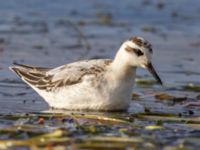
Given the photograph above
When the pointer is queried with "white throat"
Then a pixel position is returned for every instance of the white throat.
(121, 66)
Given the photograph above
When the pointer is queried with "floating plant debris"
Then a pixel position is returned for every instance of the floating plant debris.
(145, 83)
(91, 131)
(192, 87)
(164, 96)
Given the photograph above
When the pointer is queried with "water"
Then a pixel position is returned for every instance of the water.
(47, 33)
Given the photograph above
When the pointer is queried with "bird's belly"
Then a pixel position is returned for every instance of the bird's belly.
(87, 97)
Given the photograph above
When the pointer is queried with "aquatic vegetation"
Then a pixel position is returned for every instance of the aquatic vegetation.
(145, 83)
(169, 118)
(165, 96)
(192, 87)
(93, 131)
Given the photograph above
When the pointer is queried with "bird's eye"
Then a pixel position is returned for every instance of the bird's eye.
(138, 52)
(151, 50)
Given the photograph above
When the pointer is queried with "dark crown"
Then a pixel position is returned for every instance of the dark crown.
(141, 42)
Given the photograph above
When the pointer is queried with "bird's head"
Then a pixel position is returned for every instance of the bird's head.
(138, 53)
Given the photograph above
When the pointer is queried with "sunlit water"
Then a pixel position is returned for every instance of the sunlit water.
(44, 33)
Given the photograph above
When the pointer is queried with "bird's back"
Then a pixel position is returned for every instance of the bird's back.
(50, 79)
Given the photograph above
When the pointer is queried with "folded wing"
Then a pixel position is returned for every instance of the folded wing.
(49, 79)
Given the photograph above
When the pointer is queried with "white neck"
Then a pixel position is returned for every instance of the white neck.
(121, 67)
(122, 72)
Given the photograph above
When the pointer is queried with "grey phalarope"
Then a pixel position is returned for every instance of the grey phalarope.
(102, 84)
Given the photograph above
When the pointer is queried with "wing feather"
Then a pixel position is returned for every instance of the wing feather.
(66, 75)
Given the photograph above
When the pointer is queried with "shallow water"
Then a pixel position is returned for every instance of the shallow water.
(50, 33)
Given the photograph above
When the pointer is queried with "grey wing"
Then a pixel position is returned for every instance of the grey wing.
(73, 73)
(66, 75)
(34, 76)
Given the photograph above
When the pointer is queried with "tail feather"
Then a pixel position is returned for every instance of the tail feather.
(42, 69)
(29, 74)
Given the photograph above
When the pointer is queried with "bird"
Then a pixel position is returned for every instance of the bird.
(96, 84)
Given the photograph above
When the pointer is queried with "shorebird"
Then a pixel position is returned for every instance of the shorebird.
(100, 84)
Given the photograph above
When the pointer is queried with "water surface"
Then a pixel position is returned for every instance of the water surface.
(51, 33)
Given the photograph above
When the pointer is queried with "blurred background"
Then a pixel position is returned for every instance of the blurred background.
(50, 33)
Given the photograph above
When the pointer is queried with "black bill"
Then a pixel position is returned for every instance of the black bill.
(151, 69)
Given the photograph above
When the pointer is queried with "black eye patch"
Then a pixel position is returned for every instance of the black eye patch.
(138, 52)
(151, 50)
